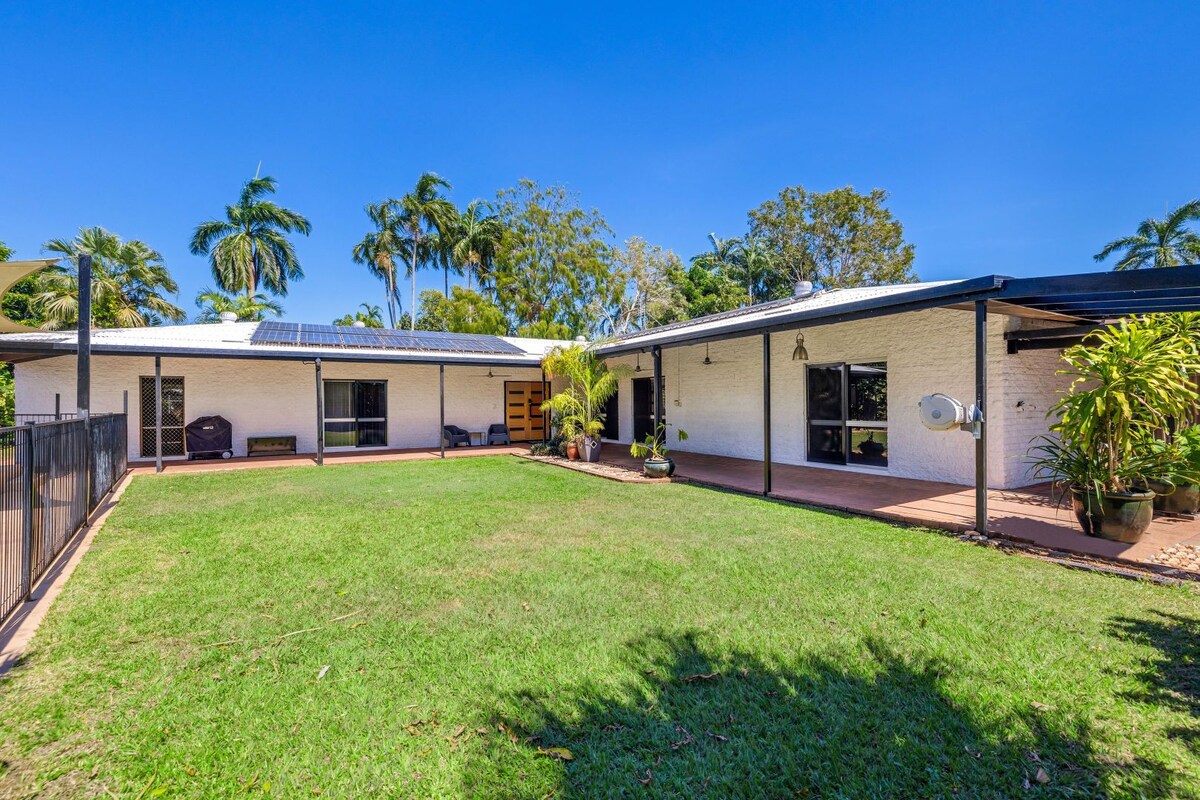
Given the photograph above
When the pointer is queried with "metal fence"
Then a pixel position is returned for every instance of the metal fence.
(48, 487)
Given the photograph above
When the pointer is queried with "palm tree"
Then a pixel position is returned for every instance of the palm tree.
(248, 249)
(370, 316)
(129, 280)
(428, 219)
(752, 265)
(477, 240)
(723, 255)
(213, 303)
(381, 248)
(1166, 242)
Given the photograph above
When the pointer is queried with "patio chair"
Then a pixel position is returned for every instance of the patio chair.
(498, 434)
(453, 436)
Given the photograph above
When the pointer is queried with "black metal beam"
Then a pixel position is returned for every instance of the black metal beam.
(83, 382)
(656, 353)
(442, 408)
(320, 415)
(1016, 289)
(766, 413)
(981, 450)
(158, 453)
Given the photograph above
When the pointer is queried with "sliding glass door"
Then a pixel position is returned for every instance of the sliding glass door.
(847, 414)
(355, 413)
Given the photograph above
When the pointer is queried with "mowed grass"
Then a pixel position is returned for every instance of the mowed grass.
(493, 627)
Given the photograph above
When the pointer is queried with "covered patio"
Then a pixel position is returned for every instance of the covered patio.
(1026, 515)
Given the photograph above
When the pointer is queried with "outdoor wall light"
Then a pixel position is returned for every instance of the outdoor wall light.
(638, 368)
(801, 352)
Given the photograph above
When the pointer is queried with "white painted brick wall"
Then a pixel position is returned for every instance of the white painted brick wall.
(275, 397)
(720, 406)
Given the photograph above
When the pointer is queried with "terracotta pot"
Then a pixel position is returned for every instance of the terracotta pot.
(1118, 516)
(1185, 499)
(659, 467)
(572, 451)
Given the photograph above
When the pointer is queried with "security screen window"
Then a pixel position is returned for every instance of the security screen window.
(355, 413)
(847, 414)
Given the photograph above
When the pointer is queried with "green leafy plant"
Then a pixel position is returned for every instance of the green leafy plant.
(579, 408)
(1128, 382)
(654, 446)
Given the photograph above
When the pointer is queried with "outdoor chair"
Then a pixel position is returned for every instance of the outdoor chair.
(498, 434)
(453, 436)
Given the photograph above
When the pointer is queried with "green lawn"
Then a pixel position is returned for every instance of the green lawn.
(440, 629)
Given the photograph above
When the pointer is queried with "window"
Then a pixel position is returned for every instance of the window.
(355, 413)
(172, 416)
(847, 414)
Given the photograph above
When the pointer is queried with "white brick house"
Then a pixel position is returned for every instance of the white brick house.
(874, 350)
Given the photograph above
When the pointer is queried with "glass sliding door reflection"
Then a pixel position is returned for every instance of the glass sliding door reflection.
(355, 413)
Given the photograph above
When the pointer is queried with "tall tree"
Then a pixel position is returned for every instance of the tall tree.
(129, 281)
(555, 259)
(370, 316)
(249, 249)
(722, 256)
(835, 239)
(694, 292)
(428, 218)
(382, 248)
(6, 252)
(644, 270)
(477, 239)
(466, 311)
(213, 302)
(1166, 242)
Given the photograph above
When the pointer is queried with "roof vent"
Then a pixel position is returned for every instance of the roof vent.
(802, 289)
(228, 317)
(358, 323)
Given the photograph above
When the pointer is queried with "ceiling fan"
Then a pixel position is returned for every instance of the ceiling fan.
(491, 374)
(708, 362)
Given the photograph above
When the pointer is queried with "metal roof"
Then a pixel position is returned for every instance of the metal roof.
(1079, 301)
(235, 340)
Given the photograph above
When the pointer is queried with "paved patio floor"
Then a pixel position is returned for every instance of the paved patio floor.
(1027, 515)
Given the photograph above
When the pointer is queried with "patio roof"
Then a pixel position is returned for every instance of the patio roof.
(1080, 301)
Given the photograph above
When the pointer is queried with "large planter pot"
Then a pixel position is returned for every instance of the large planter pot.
(659, 467)
(1185, 499)
(591, 450)
(573, 451)
(1118, 516)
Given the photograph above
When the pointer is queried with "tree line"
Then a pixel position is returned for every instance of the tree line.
(534, 260)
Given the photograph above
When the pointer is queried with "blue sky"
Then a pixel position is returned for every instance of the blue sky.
(1014, 137)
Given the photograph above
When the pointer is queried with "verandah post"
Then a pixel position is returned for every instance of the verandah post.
(656, 354)
(442, 408)
(766, 351)
(981, 455)
(320, 416)
(158, 454)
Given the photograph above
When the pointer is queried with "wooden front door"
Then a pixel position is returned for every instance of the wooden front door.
(523, 410)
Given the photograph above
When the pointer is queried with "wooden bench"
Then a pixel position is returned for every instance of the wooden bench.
(270, 445)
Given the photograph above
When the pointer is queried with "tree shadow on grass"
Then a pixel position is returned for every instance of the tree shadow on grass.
(695, 723)
(1171, 677)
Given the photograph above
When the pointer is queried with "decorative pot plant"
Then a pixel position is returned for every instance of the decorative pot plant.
(1128, 382)
(1178, 489)
(579, 408)
(657, 461)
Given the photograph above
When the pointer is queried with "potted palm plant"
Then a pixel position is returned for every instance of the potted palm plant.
(1178, 489)
(580, 406)
(1128, 381)
(657, 462)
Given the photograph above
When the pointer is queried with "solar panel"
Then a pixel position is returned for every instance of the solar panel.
(276, 333)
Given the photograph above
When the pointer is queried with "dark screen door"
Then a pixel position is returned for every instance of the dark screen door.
(643, 408)
(826, 415)
(612, 418)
